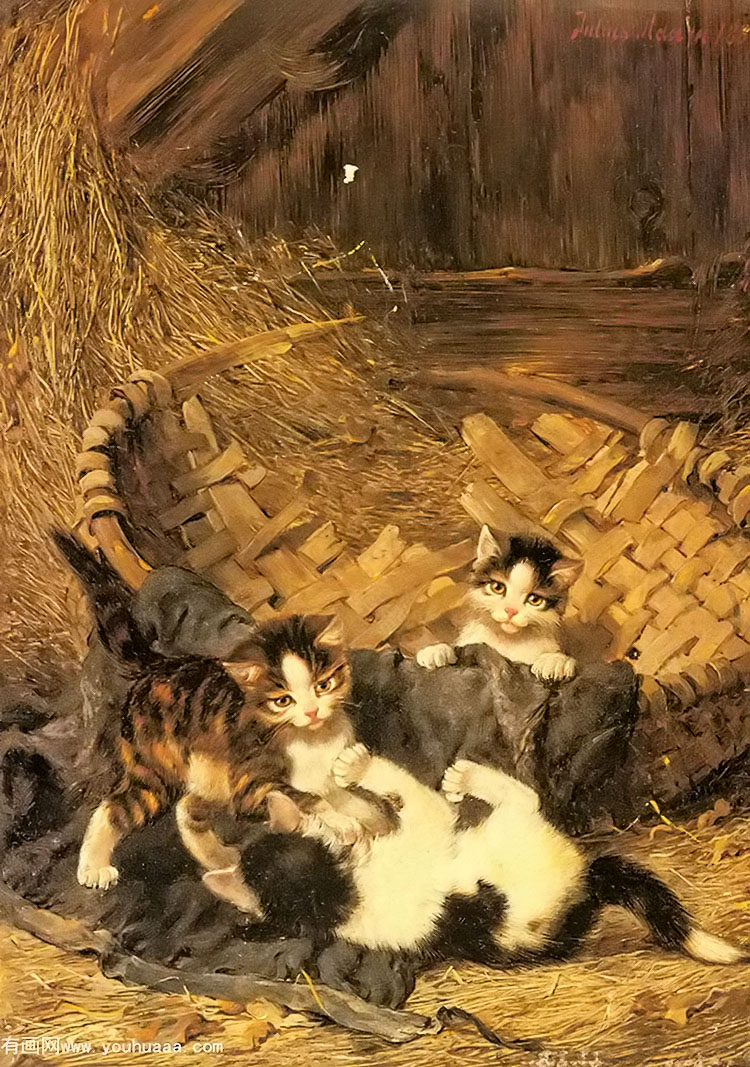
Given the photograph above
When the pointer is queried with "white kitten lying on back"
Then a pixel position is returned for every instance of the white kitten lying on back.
(516, 604)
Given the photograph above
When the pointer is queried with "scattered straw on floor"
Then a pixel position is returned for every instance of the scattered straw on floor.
(624, 1001)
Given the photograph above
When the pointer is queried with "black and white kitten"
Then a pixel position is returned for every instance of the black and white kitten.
(513, 889)
(516, 603)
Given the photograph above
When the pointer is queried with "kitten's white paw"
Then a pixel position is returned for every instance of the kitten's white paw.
(554, 667)
(465, 778)
(455, 784)
(350, 765)
(346, 829)
(468, 779)
(94, 877)
(434, 656)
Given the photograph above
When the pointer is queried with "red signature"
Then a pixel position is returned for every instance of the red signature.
(657, 29)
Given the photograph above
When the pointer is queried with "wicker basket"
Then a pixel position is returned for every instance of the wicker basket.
(657, 521)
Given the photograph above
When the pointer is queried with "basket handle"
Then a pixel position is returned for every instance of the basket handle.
(146, 391)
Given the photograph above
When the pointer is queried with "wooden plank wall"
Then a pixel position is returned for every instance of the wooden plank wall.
(523, 131)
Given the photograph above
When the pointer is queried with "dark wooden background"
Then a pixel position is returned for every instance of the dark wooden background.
(487, 135)
(561, 133)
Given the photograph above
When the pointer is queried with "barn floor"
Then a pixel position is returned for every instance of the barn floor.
(622, 1002)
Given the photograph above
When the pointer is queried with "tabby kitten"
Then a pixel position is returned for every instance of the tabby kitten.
(300, 667)
(516, 604)
(205, 736)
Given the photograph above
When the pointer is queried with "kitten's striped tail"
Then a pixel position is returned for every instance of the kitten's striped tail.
(110, 599)
(613, 880)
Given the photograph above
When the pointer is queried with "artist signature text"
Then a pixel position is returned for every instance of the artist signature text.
(657, 29)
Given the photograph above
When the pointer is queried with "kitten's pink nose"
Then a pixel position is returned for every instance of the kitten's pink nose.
(312, 714)
(510, 612)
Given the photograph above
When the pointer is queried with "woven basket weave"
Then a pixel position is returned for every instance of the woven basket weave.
(657, 521)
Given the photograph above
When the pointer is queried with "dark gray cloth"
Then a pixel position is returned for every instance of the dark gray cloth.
(570, 742)
(183, 614)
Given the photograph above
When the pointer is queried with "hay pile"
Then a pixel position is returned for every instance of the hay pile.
(101, 275)
(623, 1001)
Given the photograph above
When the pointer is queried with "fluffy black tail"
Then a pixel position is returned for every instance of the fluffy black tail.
(110, 599)
(613, 880)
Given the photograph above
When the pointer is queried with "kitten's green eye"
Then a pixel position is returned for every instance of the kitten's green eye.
(496, 587)
(534, 600)
(326, 686)
(282, 702)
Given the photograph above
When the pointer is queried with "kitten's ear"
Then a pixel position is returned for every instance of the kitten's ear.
(228, 885)
(247, 670)
(489, 546)
(566, 572)
(284, 817)
(328, 629)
